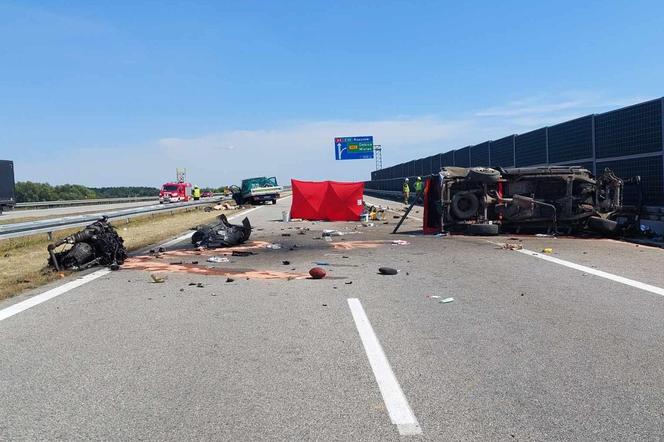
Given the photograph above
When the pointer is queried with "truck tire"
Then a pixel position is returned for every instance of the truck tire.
(274, 201)
(483, 175)
(483, 229)
(464, 205)
(602, 225)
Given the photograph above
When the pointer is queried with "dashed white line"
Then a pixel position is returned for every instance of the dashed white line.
(396, 403)
(50, 294)
(622, 280)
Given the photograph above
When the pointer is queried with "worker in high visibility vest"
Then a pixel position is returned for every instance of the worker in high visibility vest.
(197, 193)
(419, 185)
(406, 191)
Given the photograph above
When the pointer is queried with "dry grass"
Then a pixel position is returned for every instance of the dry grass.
(23, 260)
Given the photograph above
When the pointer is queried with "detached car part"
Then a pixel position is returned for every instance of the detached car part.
(97, 244)
(222, 233)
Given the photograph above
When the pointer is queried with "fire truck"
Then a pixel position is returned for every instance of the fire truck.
(175, 192)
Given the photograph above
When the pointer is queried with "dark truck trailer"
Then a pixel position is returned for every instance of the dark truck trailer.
(7, 186)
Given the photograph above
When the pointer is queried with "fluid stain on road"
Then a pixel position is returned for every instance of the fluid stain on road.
(147, 263)
(247, 247)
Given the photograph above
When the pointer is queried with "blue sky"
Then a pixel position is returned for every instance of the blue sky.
(123, 92)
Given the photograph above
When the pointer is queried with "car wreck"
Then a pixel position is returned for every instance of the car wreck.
(97, 244)
(221, 233)
(483, 201)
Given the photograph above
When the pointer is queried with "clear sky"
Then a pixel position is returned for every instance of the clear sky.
(123, 92)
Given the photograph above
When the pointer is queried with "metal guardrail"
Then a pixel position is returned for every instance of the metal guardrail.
(17, 230)
(65, 203)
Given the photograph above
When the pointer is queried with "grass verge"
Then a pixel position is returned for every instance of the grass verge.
(23, 261)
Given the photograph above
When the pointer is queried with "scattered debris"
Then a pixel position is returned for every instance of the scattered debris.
(192, 283)
(348, 282)
(158, 279)
(400, 242)
(285, 234)
(547, 250)
(321, 263)
(274, 246)
(161, 250)
(218, 259)
(200, 285)
(285, 263)
(97, 244)
(387, 271)
(433, 296)
(194, 262)
(317, 273)
(182, 290)
(446, 300)
(229, 280)
(509, 246)
(175, 263)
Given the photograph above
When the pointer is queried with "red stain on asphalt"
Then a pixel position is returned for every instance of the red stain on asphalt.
(147, 263)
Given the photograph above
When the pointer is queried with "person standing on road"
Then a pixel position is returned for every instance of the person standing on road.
(197, 193)
(406, 191)
(419, 186)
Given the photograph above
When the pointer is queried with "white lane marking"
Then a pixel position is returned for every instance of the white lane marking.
(396, 403)
(637, 284)
(50, 294)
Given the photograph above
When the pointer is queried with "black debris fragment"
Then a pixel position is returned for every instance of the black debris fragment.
(222, 233)
(241, 253)
(387, 271)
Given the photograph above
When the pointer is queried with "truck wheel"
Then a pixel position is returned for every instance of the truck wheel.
(464, 205)
(274, 201)
(483, 229)
(483, 175)
(602, 225)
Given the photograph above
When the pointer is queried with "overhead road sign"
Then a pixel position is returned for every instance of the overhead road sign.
(353, 148)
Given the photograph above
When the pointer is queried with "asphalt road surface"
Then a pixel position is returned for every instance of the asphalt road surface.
(535, 346)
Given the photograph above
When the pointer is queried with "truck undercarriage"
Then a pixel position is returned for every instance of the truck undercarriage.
(556, 198)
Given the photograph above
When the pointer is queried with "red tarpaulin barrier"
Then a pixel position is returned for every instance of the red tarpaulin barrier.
(327, 200)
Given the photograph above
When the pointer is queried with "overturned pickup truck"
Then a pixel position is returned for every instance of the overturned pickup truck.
(557, 198)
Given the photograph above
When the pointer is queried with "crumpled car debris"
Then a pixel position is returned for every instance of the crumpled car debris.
(222, 233)
(97, 244)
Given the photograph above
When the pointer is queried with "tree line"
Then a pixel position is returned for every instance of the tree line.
(28, 192)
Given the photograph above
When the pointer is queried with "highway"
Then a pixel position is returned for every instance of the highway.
(535, 346)
(73, 210)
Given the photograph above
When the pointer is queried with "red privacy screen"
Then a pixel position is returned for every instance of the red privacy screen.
(327, 200)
